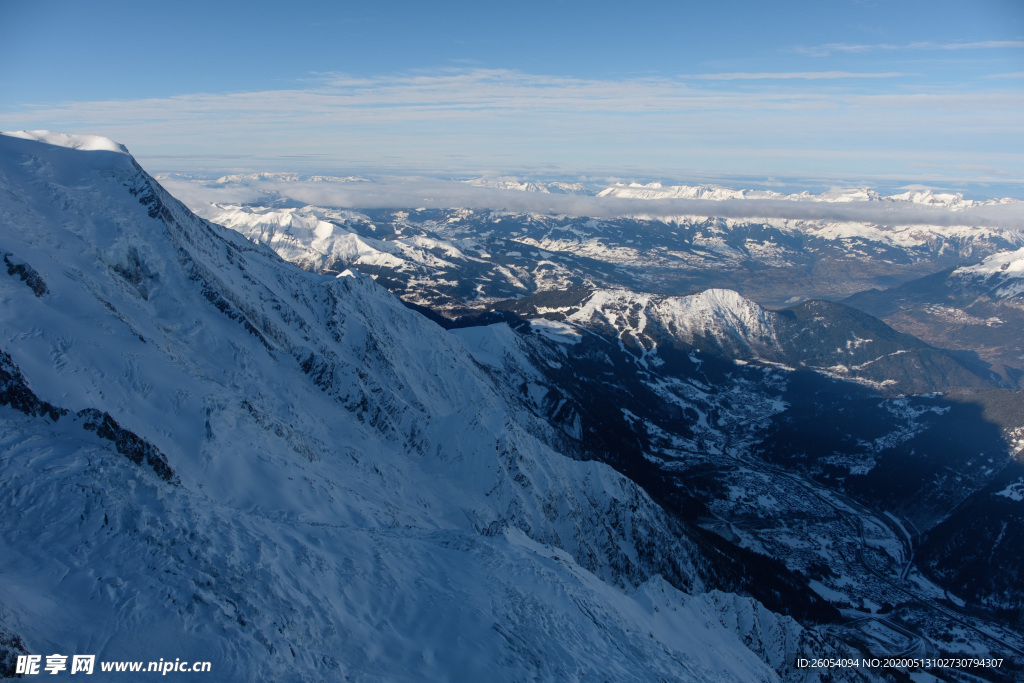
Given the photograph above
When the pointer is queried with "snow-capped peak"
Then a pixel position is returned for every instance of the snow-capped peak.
(86, 143)
(510, 183)
(717, 318)
(659, 191)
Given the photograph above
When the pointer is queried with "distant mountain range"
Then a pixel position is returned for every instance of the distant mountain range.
(457, 261)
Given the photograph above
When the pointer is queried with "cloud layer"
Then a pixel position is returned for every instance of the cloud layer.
(410, 193)
(799, 122)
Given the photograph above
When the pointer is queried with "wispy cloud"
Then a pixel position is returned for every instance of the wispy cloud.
(830, 48)
(479, 119)
(446, 95)
(797, 75)
(987, 170)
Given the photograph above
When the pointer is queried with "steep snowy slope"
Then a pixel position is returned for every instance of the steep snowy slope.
(210, 454)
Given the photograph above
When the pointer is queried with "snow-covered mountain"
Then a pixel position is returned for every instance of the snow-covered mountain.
(424, 265)
(460, 261)
(1001, 274)
(829, 338)
(305, 238)
(452, 258)
(213, 455)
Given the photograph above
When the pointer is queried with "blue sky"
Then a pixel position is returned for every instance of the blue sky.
(852, 91)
